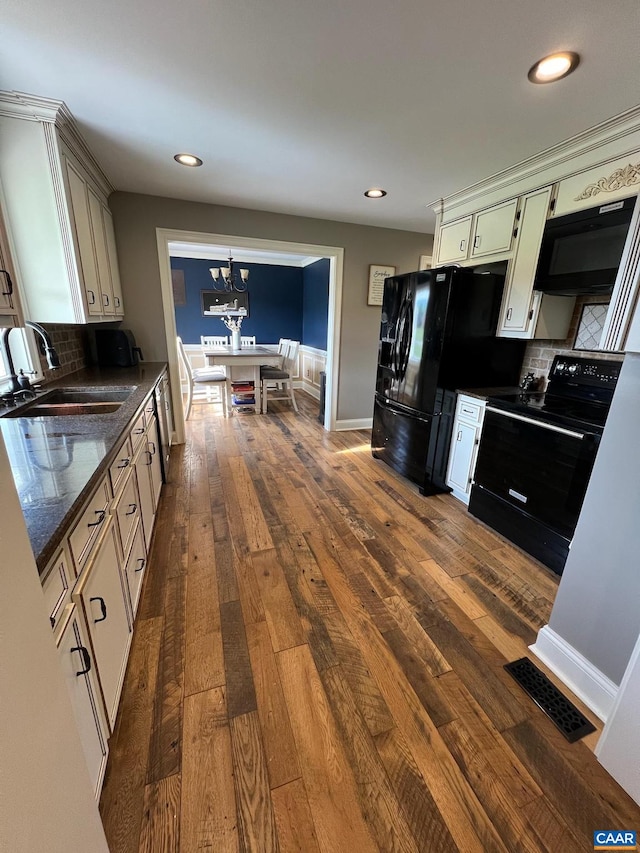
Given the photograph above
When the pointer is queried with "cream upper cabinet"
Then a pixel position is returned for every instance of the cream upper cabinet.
(493, 230)
(55, 204)
(517, 313)
(454, 241)
(600, 185)
(489, 232)
(10, 312)
(527, 313)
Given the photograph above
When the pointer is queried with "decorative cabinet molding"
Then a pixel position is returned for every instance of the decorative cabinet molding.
(627, 176)
(601, 185)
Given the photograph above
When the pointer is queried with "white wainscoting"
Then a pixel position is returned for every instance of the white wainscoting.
(311, 362)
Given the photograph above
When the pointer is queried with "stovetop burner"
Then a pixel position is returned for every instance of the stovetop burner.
(578, 396)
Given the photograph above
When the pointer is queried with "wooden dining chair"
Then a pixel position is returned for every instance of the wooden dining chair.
(214, 340)
(200, 383)
(247, 340)
(277, 383)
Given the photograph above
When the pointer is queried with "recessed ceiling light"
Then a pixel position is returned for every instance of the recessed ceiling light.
(553, 67)
(187, 159)
(375, 193)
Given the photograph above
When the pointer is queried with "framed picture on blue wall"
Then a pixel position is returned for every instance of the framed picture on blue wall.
(214, 302)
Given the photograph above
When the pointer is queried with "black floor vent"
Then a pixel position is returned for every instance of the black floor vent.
(546, 695)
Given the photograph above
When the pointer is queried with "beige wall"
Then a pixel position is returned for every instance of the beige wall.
(136, 218)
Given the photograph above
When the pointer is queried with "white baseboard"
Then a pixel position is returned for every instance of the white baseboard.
(354, 423)
(581, 677)
(313, 390)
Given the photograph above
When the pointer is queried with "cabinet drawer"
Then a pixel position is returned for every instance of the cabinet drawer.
(138, 430)
(128, 512)
(120, 467)
(91, 522)
(470, 410)
(56, 589)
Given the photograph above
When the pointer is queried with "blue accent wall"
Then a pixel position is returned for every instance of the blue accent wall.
(315, 304)
(275, 301)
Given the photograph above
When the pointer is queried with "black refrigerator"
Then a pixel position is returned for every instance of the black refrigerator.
(437, 334)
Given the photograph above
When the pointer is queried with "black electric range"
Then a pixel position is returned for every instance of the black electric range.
(536, 455)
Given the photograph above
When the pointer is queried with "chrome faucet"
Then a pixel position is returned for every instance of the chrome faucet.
(53, 359)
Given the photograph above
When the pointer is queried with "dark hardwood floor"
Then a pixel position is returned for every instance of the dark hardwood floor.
(317, 665)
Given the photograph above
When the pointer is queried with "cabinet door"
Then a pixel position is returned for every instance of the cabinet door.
(102, 258)
(454, 241)
(142, 466)
(517, 315)
(9, 304)
(493, 229)
(461, 456)
(136, 564)
(116, 287)
(76, 663)
(81, 223)
(153, 443)
(103, 599)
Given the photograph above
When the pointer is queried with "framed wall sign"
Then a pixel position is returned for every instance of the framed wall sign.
(377, 275)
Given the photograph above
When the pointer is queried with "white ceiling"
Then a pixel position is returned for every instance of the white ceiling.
(298, 106)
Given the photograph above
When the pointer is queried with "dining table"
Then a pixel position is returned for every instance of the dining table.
(243, 364)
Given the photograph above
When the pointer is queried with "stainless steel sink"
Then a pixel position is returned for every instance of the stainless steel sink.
(75, 402)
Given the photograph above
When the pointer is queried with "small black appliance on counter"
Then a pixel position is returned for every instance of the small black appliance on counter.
(116, 348)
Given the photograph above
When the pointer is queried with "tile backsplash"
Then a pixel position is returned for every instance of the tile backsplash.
(539, 354)
(69, 342)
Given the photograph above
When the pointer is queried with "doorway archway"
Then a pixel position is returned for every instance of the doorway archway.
(335, 254)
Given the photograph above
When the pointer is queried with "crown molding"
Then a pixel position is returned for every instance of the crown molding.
(589, 141)
(49, 111)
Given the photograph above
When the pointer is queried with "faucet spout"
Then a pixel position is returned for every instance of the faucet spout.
(53, 359)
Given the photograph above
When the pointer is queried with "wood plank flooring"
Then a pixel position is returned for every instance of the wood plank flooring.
(317, 665)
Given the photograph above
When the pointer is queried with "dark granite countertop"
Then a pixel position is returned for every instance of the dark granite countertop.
(485, 393)
(58, 461)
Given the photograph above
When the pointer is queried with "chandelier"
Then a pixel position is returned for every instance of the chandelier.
(229, 280)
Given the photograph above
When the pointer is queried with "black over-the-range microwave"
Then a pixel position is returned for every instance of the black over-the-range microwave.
(581, 252)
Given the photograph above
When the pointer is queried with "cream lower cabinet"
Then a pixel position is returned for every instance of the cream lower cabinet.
(100, 592)
(135, 566)
(467, 428)
(149, 475)
(79, 673)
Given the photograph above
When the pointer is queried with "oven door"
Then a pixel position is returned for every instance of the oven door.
(539, 468)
